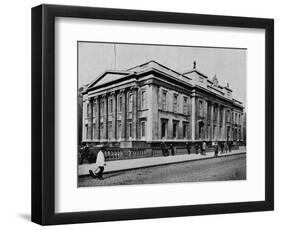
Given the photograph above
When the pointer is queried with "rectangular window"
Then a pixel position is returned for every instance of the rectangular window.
(164, 100)
(215, 112)
(175, 129)
(221, 115)
(88, 110)
(130, 103)
(184, 130)
(96, 108)
(164, 128)
(201, 108)
(143, 99)
(95, 132)
(130, 131)
(120, 103)
(119, 129)
(101, 130)
(228, 116)
(175, 109)
(110, 106)
(110, 136)
(185, 105)
(87, 131)
(143, 128)
(102, 108)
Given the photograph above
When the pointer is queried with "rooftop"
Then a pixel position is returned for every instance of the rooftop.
(188, 76)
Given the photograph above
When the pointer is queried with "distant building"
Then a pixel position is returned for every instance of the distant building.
(151, 103)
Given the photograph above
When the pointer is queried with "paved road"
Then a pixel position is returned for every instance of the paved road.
(215, 169)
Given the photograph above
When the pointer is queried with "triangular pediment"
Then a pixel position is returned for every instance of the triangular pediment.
(107, 77)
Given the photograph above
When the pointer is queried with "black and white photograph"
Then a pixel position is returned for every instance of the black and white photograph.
(151, 113)
(140, 114)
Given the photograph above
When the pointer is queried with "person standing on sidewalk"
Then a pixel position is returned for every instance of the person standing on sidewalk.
(187, 147)
(225, 147)
(164, 149)
(172, 150)
(100, 163)
(196, 149)
(216, 149)
(204, 147)
(222, 147)
(230, 146)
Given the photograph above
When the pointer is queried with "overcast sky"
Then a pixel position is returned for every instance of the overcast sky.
(228, 64)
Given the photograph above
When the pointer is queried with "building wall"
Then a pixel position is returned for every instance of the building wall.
(204, 117)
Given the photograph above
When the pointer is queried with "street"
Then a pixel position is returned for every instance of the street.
(214, 169)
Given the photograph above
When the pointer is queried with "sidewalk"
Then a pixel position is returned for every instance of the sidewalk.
(119, 165)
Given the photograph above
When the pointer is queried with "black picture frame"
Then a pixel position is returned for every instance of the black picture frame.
(43, 114)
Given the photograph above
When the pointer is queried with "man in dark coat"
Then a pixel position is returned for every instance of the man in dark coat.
(196, 149)
(172, 150)
(229, 146)
(164, 149)
(187, 147)
(216, 149)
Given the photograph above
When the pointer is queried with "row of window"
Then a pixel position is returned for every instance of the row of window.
(235, 117)
(175, 102)
(119, 130)
(217, 132)
(120, 104)
(175, 134)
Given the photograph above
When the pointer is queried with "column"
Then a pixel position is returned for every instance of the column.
(212, 120)
(206, 119)
(218, 123)
(135, 112)
(114, 114)
(90, 120)
(232, 125)
(98, 118)
(105, 117)
(193, 116)
(124, 114)
(224, 124)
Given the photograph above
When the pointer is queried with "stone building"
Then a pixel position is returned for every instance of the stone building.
(151, 103)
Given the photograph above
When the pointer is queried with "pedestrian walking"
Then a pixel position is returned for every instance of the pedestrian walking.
(84, 153)
(100, 163)
(164, 149)
(216, 149)
(188, 148)
(172, 150)
(225, 147)
(204, 147)
(196, 149)
(222, 147)
(230, 146)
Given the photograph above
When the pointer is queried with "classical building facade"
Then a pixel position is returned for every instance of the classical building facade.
(151, 103)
